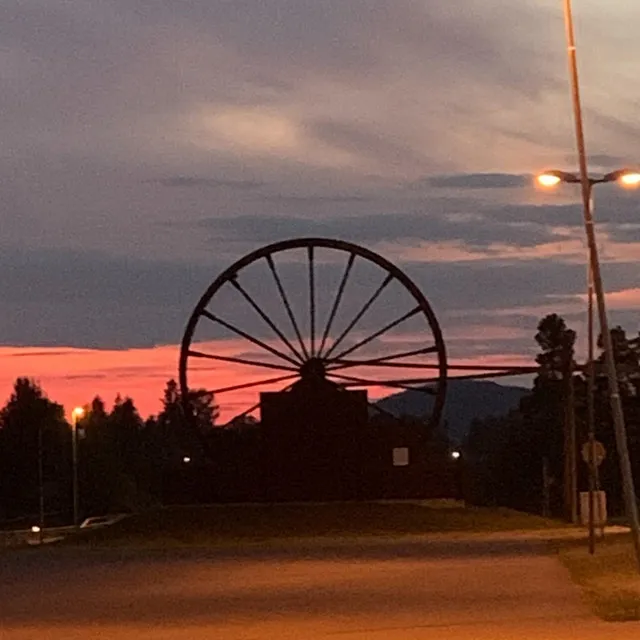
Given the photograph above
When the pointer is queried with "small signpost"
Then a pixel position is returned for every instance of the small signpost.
(594, 501)
(595, 449)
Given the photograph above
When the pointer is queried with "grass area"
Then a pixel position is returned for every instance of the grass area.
(609, 578)
(233, 524)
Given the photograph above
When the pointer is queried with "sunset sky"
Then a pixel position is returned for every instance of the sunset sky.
(145, 146)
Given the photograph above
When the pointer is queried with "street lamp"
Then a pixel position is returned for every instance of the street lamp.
(628, 178)
(76, 414)
(614, 392)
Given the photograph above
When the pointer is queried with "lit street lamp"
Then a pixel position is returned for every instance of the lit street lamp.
(628, 178)
(622, 445)
(76, 414)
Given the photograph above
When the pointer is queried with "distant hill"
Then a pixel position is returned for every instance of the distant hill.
(466, 400)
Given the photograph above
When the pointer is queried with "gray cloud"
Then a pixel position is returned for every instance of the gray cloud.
(613, 206)
(66, 277)
(415, 227)
(81, 299)
(85, 300)
(316, 199)
(193, 181)
(625, 233)
(362, 140)
(114, 77)
(481, 181)
(354, 38)
(602, 160)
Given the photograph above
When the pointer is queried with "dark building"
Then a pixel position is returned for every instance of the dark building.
(319, 442)
(313, 443)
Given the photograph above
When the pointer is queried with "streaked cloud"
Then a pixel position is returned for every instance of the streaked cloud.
(193, 181)
(481, 181)
(626, 299)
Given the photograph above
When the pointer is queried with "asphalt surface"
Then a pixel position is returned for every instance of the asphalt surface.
(383, 589)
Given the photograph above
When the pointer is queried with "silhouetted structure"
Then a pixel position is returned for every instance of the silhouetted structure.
(319, 442)
(313, 442)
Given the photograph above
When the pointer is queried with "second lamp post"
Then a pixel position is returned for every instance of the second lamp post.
(627, 178)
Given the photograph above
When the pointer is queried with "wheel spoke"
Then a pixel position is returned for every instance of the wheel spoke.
(256, 383)
(493, 374)
(254, 407)
(243, 414)
(397, 384)
(374, 406)
(252, 363)
(312, 301)
(378, 333)
(265, 317)
(250, 338)
(385, 361)
(285, 301)
(481, 367)
(384, 412)
(359, 315)
(336, 302)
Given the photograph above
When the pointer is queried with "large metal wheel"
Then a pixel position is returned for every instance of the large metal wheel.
(312, 308)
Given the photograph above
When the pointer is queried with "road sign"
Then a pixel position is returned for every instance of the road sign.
(599, 452)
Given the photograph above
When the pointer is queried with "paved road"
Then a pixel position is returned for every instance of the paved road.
(392, 590)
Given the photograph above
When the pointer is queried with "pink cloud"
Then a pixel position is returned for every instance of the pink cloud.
(623, 299)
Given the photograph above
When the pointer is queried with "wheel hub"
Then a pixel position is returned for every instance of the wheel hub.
(313, 370)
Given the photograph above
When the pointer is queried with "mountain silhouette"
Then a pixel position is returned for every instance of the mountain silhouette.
(466, 400)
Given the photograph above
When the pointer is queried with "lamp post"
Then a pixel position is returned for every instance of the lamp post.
(627, 178)
(614, 392)
(76, 414)
(552, 178)
(40, 528)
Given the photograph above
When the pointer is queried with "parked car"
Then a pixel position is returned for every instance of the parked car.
(102, 521)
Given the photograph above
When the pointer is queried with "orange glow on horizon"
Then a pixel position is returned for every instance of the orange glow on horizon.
(73, 376)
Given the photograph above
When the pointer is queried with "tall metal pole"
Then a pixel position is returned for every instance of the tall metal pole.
(570, 458)
(591, 417)
(40, 482)
(573, 457)
(546, 498)
(614, 391)
(74, 450)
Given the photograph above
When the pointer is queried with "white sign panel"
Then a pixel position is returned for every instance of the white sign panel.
(401, 457)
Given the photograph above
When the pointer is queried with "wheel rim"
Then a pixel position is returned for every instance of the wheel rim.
(335, 341)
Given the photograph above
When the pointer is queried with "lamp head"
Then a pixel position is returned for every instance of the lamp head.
(554, 177)
(629, 178)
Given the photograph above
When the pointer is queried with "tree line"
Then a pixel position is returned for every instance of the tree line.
(123, 459)
(518, 460)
